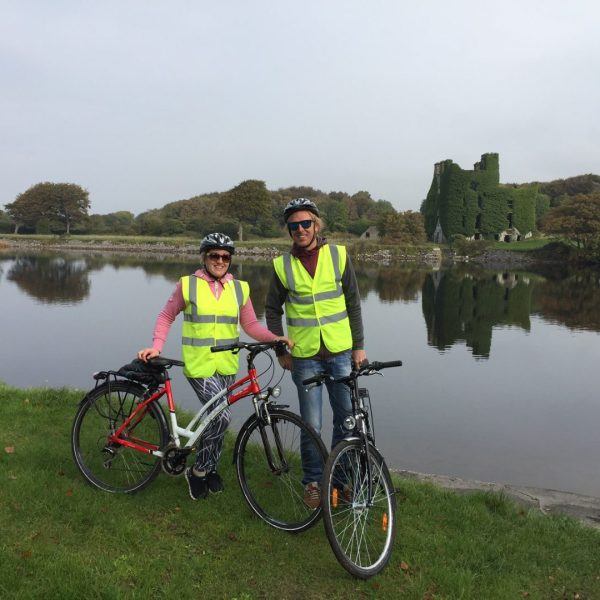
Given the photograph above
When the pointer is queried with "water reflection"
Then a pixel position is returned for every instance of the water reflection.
(570, 299)
(461, 306)
(442, 413)
(51, 279)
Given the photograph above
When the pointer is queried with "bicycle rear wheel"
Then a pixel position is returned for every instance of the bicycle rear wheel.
(361, 536)
(269, 469)
(112, 467)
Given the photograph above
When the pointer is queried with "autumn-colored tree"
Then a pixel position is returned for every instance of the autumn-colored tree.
(577, 219)
(405, 228)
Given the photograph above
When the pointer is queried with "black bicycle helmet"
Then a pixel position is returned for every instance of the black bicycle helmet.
(300, 204)
(217, 240)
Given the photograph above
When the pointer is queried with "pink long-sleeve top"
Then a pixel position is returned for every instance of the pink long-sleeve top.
(175, 304)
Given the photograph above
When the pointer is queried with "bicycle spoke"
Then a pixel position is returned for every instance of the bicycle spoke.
(277, 495)
(108, 465)
(360, 533)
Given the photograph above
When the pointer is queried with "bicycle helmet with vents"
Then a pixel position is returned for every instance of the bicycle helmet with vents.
(300, 204)
(217, 240)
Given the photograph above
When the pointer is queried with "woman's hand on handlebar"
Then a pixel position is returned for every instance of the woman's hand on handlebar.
(147, 353)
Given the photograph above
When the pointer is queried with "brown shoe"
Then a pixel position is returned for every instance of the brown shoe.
(312, 495)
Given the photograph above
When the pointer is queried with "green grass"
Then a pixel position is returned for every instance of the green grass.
(60, 538)
(522, 246)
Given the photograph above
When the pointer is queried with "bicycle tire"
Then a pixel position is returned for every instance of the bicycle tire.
(277, 497)
(360, 536)
(115, 468)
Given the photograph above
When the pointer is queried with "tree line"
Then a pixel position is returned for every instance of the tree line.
(247, 211)
(569, 208)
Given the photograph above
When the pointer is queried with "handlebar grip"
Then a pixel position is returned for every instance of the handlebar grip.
(224, 348)
(386, 365)
(315, 379)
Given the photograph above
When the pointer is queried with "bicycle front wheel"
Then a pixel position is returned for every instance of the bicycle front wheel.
(108, 466)
(269, 468)
(361, 533)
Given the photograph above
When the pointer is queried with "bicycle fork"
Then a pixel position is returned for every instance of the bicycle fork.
(277, 460)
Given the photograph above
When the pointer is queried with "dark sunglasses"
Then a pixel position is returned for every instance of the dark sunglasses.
(217, 257)
(304, 224)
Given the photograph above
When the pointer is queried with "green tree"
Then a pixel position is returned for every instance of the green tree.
(68, 203)
(335, 214)
(247, 203)
(6, 223)
(65, 203)
(25, 211)
(577, 219)
(542, 206)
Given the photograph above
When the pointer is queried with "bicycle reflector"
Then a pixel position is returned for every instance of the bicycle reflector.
(384, 521)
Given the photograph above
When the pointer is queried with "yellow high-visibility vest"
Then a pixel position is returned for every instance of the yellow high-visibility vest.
(210, 322)
(316, 308)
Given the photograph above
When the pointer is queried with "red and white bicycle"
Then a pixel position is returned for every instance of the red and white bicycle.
(121, 437)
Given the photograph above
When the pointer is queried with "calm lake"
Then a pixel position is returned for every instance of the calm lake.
(499, 380)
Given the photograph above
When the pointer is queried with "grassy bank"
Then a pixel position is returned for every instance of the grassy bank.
(62, 539)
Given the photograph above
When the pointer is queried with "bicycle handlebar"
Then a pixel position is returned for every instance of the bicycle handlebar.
(252, 346)
(366, 369)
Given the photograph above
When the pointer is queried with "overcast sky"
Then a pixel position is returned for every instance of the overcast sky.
(145, 102)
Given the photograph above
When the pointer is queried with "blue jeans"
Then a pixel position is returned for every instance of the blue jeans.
(311, 404)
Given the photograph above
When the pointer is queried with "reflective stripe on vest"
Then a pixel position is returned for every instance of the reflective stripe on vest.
(210, 322)
(316, 307)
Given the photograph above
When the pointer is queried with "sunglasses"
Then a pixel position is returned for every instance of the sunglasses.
(304, 224)
(218, 257)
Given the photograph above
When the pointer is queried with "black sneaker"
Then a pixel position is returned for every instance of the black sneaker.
(215, 483)
(198, 486)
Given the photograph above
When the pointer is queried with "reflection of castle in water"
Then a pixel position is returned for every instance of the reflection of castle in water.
(465, 307)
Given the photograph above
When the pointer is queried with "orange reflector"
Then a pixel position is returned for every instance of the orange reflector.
(334, 498)
(384, 521)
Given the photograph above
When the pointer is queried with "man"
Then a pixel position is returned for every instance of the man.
(317, 285)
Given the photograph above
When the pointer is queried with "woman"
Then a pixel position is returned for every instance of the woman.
(215, 305)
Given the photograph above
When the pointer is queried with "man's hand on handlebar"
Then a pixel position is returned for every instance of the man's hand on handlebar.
(359, 357)
(287, 341)
(285, 361)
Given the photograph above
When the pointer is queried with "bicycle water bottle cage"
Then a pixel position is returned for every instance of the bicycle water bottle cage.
(138, 370)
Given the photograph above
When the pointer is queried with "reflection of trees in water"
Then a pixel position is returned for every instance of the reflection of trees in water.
(572, 300)
(168, 266)
(461, 306)
(390, 283)
(51, 279)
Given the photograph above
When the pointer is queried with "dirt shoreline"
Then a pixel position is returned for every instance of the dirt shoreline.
(494, 259)
(584, 508)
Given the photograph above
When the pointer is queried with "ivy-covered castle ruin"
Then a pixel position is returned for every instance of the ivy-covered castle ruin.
(475, 205)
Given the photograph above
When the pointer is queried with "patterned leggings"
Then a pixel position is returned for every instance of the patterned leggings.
(211, 442)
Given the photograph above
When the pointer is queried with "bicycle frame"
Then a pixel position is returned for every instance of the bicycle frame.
(217, 404)
(361, 425)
